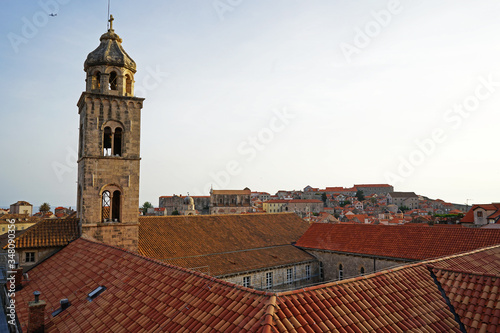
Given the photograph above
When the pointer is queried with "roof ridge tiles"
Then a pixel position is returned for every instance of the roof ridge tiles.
(459, 271)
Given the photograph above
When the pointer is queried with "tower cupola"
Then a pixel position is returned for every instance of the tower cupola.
(110, 70)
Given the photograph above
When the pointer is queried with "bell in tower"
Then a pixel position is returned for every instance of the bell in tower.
(109, 146)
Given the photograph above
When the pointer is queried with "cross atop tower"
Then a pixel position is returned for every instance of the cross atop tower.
(111, 19)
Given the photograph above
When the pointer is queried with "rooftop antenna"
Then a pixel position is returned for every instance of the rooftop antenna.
(109, 18)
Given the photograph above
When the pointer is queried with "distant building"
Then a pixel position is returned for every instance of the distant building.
(262, 196)
(379, 189)
(60, 212)
(4, 211)
(408, 199)
(230, 201)
(21, 207)
(33, 244)
(483, 214)
(177, 203)
(21, 222)
(298, 206)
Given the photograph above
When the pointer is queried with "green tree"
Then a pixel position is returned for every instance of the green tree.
(360, 195)
(323, 197)
(44, 208)
(175, 212)
(344, 203)
(404, 208)
(145, 207)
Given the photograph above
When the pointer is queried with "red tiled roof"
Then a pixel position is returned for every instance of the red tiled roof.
(145, 295)
(170, 238)
(48, 233)
(142, 295)
(472, 283)
(402, 300)
(469, 217)
(409, 242)
(228, 263)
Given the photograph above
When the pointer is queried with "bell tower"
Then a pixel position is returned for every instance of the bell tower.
(109, 146)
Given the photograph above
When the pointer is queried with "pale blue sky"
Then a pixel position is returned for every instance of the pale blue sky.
(360, 88)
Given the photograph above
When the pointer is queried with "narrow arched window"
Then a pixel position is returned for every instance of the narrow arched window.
(115, 214)
(80, 147)
(362, 271)
(79, 201)
(106, 206)
(128, 84)
(96, 80)
(112, 81)
(107, 140)
(117, 142)
(341, 272)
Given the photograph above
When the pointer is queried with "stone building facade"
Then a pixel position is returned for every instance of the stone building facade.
(279, 278)
(339, 266)
(230, 201)
(408, 199)
(109, 146)
(378, 189)
(21, 207)
(301, 207)
(178, 203)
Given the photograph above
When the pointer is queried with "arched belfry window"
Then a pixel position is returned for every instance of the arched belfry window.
(117, 142)
(112, 142)
(128, 84)
(106, 206)
(107, 141)
(115, 214)
(111, 204)
(341, 272)
(96, 80)
(113, 81)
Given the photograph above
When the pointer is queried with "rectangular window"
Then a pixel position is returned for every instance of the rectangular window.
(246, 281)
(29, 257)
(269, 280)
(308, 272)
(289, 275)
(479, 214)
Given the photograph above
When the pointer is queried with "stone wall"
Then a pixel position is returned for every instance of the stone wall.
(122, 235)
(299, 278)
(351, 264)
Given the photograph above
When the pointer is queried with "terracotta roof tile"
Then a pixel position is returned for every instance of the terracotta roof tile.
(176, 299)
(224, 244)
(471, 283)
(397, 241)
(48, 233)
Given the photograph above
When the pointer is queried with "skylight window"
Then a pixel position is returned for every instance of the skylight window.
(96, 292)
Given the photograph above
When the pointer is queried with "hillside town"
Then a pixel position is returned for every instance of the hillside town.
(364, 203)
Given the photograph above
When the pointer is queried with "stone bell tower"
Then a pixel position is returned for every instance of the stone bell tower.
(109, 146)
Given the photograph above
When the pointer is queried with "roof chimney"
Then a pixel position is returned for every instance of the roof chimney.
(36, 319)
(18, 278)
